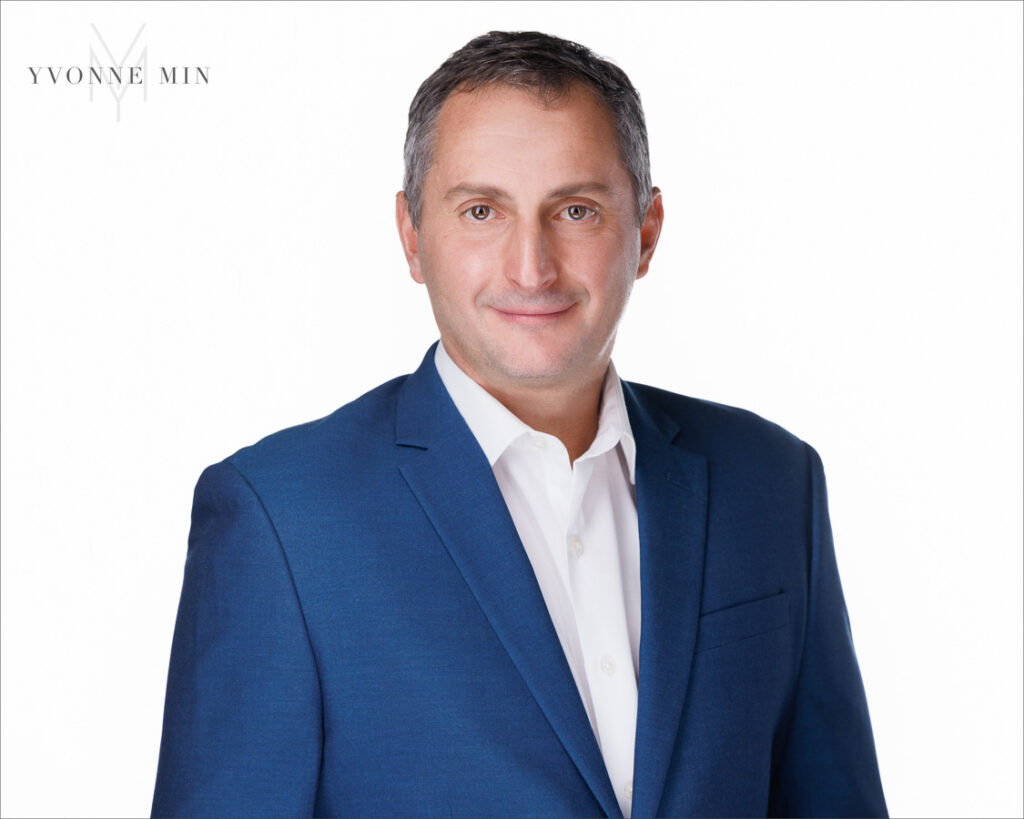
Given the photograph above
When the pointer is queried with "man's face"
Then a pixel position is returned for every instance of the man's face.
(528, 240)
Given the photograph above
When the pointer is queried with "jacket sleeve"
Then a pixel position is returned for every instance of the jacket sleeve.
(242, 730)
(826, 764)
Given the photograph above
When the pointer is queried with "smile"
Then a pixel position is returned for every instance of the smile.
(535, 315)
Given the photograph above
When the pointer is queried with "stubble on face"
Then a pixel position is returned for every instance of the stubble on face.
(528, 297)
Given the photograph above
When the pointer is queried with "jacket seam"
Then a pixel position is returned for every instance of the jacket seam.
(298, 602)
(812, 522)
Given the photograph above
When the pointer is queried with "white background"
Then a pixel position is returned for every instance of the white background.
(842, 254)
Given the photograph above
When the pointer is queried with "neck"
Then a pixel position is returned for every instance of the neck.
(569, 412)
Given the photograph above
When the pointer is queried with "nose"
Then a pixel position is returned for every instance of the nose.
(530, 263)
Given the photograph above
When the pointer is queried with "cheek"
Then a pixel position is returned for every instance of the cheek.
(607, 269)
(455, 270)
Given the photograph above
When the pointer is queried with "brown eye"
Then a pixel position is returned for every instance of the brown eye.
(577, 212)
(479, 212)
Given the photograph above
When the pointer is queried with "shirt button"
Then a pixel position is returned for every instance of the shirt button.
(629, 790)
(607, 665)
(576, 545)
(539, 443)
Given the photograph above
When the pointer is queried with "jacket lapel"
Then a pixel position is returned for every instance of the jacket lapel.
(672, 490)
(453, 482)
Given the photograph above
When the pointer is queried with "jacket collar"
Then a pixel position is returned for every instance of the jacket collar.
(495, 428)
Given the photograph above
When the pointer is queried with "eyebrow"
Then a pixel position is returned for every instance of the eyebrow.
(476, 190)
(491, 192)
(577, 190)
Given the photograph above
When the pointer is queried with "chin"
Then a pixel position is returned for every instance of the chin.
(535, 368)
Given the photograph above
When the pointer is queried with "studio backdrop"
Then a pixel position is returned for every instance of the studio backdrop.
(200, 257)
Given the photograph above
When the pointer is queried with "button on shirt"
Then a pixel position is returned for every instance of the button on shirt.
(578, 525)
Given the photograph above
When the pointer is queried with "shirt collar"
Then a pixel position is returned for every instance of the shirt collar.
(496, 428)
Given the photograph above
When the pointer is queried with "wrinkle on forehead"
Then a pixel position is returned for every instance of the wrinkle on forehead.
(546, 96)
(468, 119)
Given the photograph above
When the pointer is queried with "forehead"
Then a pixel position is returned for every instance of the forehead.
(500, 130)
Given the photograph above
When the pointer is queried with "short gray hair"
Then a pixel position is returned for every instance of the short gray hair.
(544, 64)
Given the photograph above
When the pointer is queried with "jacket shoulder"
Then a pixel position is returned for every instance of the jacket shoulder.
(716, 430)
(357, 430)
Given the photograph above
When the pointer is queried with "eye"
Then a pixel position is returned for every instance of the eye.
(577, 213)
(479, 213)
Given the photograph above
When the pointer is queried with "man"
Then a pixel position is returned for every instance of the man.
(509, 583)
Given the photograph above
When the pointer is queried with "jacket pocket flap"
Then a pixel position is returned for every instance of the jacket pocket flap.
(743, 620)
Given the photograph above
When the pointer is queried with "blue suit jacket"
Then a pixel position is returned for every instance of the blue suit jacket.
(360, 631)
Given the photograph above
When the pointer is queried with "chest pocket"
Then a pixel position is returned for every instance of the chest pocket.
(719, 628)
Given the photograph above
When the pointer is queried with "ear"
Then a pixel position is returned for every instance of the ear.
(650, 230)
(408, 237)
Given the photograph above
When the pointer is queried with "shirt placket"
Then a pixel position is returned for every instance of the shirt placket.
(596, 593)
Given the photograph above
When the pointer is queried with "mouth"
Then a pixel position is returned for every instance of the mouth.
(534, 315)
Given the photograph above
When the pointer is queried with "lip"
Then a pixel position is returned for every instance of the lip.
(541, 315)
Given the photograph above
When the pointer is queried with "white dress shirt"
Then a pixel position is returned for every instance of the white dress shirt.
(578, 525)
